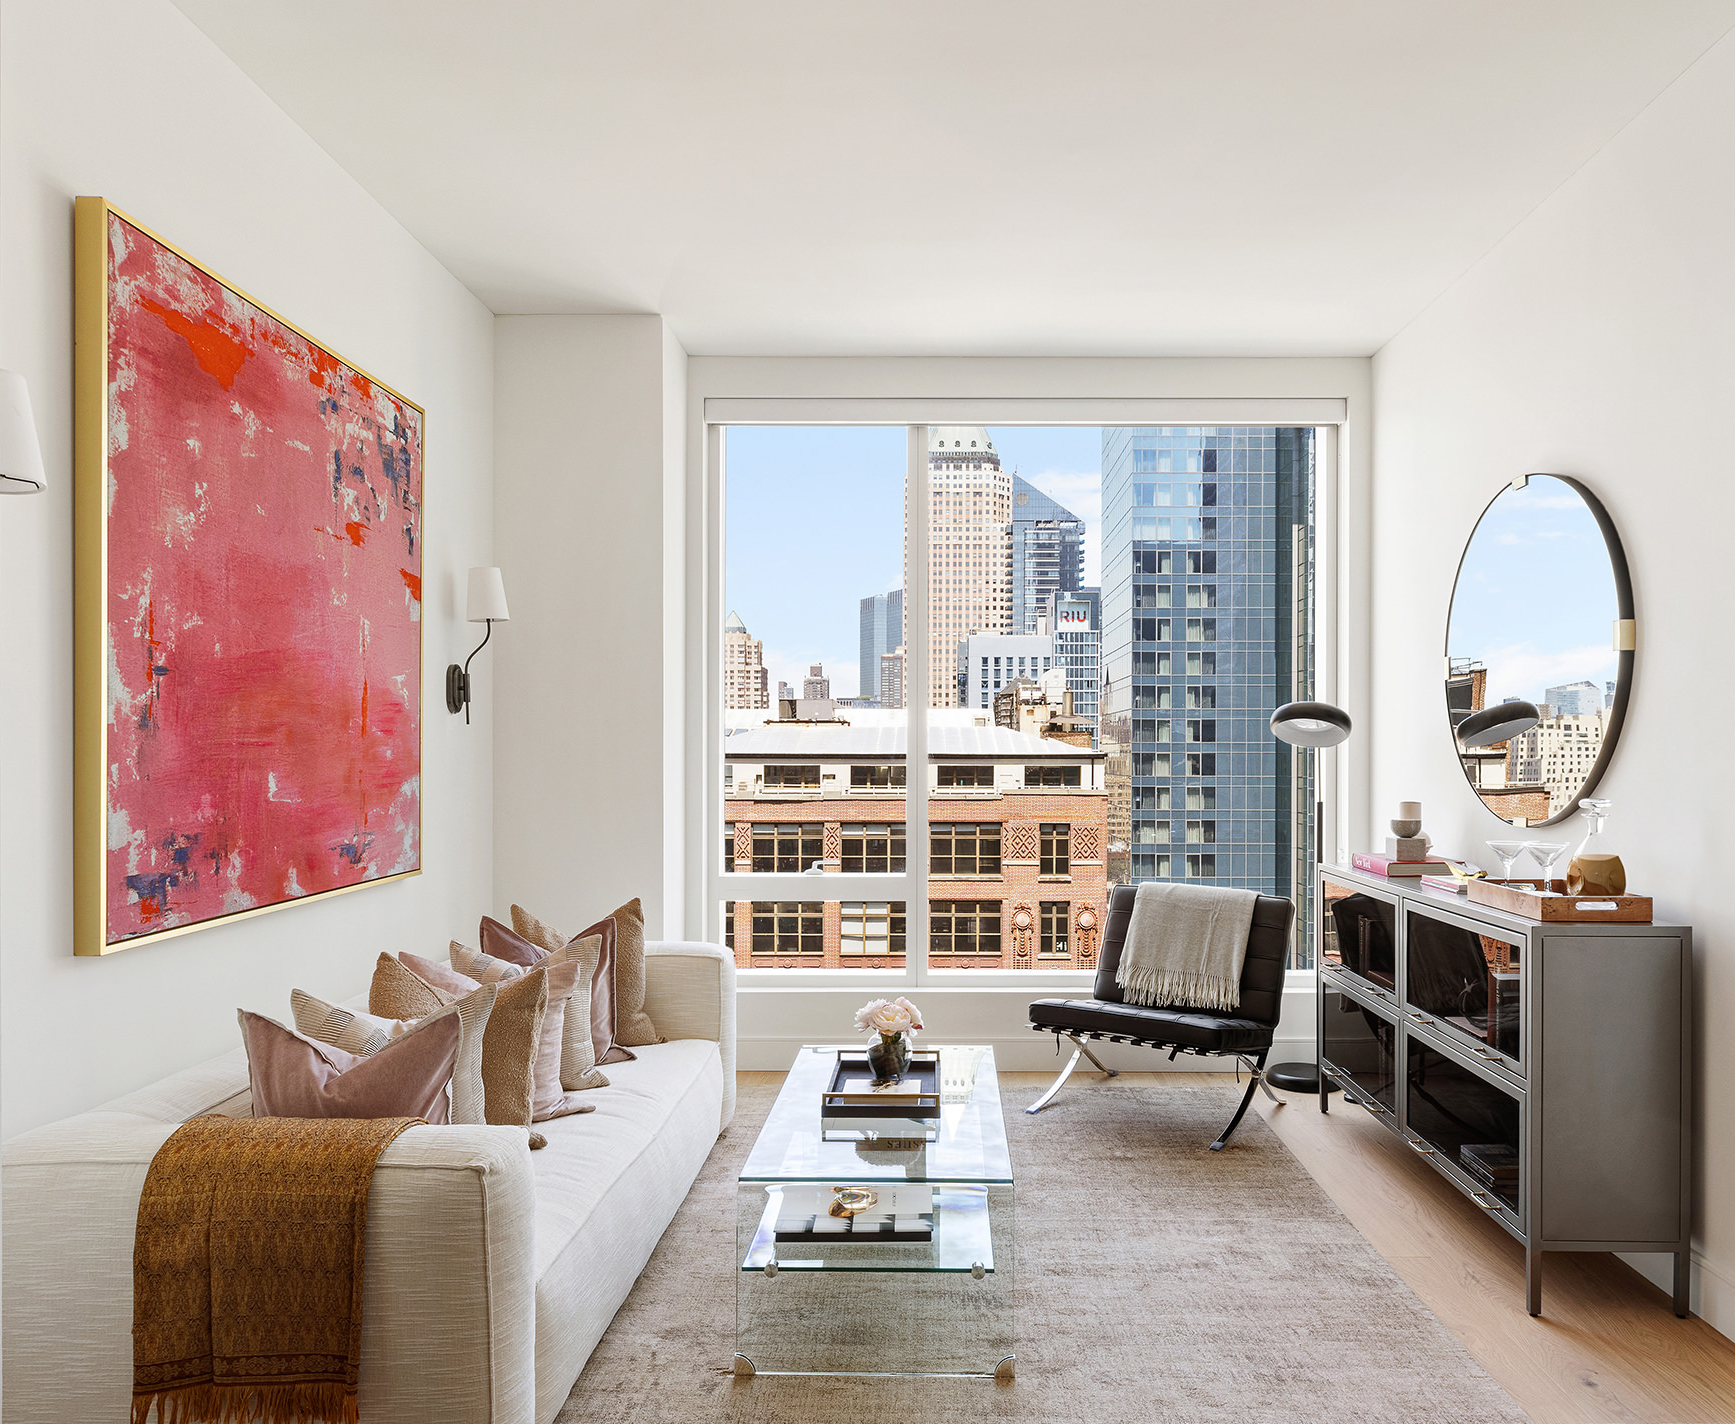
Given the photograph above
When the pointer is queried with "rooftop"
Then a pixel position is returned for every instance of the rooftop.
(863, 739)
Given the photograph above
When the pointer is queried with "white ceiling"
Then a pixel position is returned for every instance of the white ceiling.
(1220, 177)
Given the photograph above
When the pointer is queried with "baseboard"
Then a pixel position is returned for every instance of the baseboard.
(773, 1022)
(1711, 1295)
(1031, 1053)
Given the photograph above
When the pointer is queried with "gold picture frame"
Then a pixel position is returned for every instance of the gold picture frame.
(95, 664)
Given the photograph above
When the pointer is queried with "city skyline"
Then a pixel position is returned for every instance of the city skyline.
(803, 601)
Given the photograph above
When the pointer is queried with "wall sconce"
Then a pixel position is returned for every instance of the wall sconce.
(484, 603)
(20, 455)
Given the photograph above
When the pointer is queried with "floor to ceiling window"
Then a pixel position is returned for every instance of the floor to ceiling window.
(1090, 627)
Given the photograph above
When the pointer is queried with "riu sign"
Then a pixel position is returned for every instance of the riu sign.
(1073, 615)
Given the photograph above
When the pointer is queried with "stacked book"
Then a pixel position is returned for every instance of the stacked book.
(1405, 856)
(1494, 1164)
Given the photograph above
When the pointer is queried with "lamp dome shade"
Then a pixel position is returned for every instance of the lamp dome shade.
(1310, 724)
(487, 597)
(1497, 724)
(21, 469)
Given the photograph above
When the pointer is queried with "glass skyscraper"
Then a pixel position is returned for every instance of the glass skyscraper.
(882, 632)
(1047, 553)
(1207, 626)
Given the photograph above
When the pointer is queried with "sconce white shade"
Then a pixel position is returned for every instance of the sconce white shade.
(21, 469)
(487, 597)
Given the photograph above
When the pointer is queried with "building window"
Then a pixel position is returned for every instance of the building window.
(729, 925)
(792, 778)
(785, 849)
(1201, 630)
(1150, 833)
(1056, 915)
(1056, 850)
(1051, 776)
(876, 778)
(1201, 763)
(1201, 833)
(956, 848)
(1202, 730)
(1148, 867)
(1201, 798)
(1202, 866)
(951, 775)
(789, 927)
(871, 928)
(1201, 664)
(1150, 798)
(873, 849)
(964, 927)
(1202, 697)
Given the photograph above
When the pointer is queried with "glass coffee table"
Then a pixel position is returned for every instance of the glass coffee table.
(918, 1278)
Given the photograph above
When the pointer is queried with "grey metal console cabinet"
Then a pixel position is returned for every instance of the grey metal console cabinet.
(1542, 1069)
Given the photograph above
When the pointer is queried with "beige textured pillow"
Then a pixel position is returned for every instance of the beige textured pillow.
(578, 1068)
(397, 994)
(509, 1050)
(633, 1026)
(366, 1034)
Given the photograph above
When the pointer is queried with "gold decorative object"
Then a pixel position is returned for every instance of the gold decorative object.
(848, 1201)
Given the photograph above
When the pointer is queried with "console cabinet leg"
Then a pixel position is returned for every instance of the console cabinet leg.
(1533, 1279)
(1683, 1282)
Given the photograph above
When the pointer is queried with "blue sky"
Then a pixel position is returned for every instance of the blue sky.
(815, 523)
(1536, 597)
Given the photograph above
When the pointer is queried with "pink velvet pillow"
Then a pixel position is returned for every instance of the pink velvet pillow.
(293, 1076)
(441, 976)
(499, 942)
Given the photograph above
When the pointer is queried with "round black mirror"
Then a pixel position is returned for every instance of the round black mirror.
(1539, 650)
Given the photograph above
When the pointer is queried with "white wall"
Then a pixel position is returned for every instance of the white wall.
(127, 100)
(589, 535)
(1594, 341)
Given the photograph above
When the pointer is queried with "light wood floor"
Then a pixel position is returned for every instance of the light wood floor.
(1607, 1346)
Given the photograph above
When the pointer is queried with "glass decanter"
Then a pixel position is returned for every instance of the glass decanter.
(1595, 869)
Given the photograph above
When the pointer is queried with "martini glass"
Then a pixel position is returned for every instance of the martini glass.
(1508, 851)
(1545, 853)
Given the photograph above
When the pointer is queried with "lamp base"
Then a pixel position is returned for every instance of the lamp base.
(1297, 1078)
(457, 692)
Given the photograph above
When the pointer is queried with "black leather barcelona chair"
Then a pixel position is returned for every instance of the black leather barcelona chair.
(1244, 1033)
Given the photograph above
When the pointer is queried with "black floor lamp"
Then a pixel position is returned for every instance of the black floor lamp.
(1306, 724)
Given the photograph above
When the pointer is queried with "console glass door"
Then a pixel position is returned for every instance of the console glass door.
(1358, 933)
(1468, 982)
(1471, 1123)
(1362, 1043)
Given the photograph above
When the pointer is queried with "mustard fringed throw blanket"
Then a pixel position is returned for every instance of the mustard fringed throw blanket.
(247, 1270)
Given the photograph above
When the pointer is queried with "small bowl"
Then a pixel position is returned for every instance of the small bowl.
(1406, 828)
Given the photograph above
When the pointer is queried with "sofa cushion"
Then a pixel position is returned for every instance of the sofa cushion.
(606, 1187)
(1189, 1028)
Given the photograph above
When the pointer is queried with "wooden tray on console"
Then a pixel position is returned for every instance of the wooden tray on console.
(1524, 897)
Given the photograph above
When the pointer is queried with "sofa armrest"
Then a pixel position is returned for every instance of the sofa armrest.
(690, 993)
(449, 1288)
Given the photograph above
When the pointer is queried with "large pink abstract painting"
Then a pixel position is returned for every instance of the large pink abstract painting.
(262, 606)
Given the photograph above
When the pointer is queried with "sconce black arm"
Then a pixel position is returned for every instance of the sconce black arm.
(458, 678)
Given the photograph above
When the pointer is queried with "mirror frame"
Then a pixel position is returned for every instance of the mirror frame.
(1624, 656)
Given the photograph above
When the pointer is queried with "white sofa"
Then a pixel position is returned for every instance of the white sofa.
(492, 1271)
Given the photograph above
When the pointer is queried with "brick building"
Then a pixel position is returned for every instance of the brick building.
(1017, 828)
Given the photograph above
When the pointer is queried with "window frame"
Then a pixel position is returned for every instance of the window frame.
(729, 392)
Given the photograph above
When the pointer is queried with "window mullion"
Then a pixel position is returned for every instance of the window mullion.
(916, 693)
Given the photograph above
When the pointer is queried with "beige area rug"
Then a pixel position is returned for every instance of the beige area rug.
(1156, 1281)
